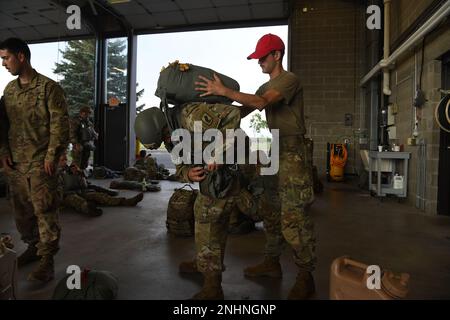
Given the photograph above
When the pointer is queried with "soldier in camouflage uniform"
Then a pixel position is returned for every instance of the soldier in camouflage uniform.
(153, 171)
(82, 136)
(282, 99)
(38, 133)
(83, 197)
(212, 214)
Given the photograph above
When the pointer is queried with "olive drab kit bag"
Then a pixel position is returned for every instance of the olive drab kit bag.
(176, 84)
(180, 212)
(94, 285)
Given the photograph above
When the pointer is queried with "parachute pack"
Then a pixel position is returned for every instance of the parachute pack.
(176, 84)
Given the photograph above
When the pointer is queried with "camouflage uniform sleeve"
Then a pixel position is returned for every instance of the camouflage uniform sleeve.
(4, 125)
(59, 123)
(182, 173)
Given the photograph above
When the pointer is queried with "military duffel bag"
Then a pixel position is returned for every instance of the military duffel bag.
(176, 84)
(94, 285)
(180, 212)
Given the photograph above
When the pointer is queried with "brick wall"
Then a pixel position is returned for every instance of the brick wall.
(326, 50)
(330, 52)
(405, 13)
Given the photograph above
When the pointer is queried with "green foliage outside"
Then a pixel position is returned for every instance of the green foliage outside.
(257, 123)
(77, 70)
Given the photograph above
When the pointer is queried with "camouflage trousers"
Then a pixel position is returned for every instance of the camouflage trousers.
(81, 158)
(35, 202)
(212, 217)
(284, 214)
(79, 201)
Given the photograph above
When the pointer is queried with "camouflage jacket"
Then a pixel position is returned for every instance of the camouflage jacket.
(75, 129)
(69, 182)
(38, 120)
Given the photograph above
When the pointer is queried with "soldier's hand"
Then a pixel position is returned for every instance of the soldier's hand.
(7, 162)
(77, 147)
(196, 174)
(211, 87)
(49, 167)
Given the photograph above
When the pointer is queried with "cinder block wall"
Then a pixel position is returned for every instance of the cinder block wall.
(403, 82)
(329, 51)
(326, 38)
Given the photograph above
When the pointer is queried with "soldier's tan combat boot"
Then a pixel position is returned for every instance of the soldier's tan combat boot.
(133, 201)
(303, 288)
(270, 267)
(28, 256)
(45, 271)
(212, 287)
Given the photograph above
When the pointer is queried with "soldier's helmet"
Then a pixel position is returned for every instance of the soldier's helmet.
(148, 127)
(86, 109)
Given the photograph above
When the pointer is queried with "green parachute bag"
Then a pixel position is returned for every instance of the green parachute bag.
(180, 212)
(176, 84)
(95, 285)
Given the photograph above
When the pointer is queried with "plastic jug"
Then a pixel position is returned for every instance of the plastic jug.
(398, 182)
(348, 281)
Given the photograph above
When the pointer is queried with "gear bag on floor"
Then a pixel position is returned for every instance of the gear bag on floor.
(180, 212)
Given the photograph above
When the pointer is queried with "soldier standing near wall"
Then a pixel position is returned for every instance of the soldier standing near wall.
(38, 134)
(282, 99)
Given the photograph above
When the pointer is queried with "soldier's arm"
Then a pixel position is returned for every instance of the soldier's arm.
(245, 111)
(59, 123)
(216, 87)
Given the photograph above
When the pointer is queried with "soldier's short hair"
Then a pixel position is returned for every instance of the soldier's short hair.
(86, 109)
(16, 46)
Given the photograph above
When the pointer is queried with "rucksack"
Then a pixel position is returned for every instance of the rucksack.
(95, 285)
(180, 212)
(176, 84)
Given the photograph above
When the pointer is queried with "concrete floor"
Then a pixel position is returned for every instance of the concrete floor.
(133, 244)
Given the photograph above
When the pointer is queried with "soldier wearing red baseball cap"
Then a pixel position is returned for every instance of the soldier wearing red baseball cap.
(267, 44)
(282, 99)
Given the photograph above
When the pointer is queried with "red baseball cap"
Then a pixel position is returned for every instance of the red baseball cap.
(266, 45)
